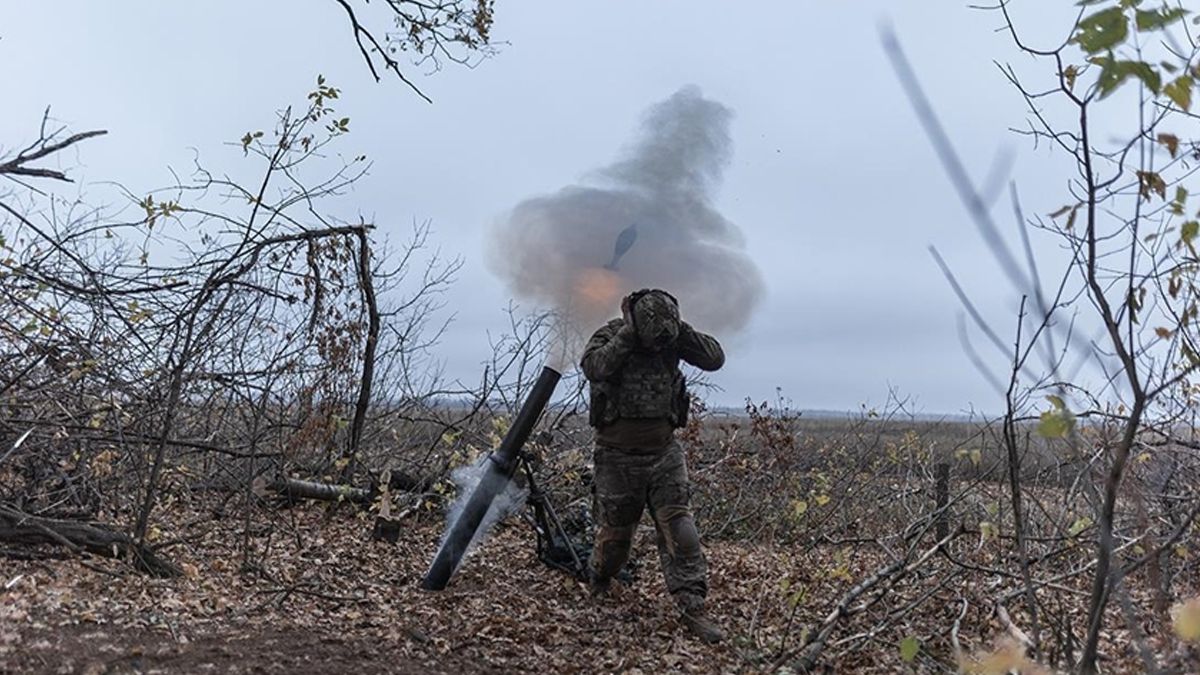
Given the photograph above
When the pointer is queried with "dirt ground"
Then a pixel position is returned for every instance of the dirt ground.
(94, 650)
(316, 595)
(329, 600)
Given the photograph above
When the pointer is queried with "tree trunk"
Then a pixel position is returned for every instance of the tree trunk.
(22, 528)
(367, 287)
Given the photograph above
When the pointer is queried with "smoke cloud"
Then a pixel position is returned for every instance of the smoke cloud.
(554, 249)
(509, 502)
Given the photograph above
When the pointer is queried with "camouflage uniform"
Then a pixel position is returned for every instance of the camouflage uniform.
(638, 399)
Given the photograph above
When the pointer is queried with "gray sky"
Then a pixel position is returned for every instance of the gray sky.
(831, 181)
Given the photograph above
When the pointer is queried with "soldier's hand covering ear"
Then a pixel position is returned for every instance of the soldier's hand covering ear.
(699, 349)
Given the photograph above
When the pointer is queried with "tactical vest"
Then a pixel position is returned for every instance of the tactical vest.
(649, 386)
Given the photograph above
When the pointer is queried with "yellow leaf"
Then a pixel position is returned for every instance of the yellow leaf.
(988, 530)
(1186, 618)
(1069, 74)
(1078, 526)
(1056, 423)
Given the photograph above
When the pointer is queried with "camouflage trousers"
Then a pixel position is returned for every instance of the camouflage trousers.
(630, 481)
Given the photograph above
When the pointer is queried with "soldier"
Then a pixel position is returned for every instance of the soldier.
(638, 399)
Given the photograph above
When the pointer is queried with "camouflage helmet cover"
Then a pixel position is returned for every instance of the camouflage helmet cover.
(655, 317)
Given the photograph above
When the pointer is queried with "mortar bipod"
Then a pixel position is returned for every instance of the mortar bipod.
(554, 547)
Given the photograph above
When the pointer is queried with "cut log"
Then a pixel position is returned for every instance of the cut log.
(294, 488)
(21, 528)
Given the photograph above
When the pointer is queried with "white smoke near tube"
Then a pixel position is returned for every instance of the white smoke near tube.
(555, 250)
(509, 502)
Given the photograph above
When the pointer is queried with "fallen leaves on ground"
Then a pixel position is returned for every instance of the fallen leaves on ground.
(318, 596)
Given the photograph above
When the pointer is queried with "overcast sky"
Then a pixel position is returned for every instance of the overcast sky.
(834, 187)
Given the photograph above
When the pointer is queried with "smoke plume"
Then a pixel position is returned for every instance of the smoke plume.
(556, 250)
(509, 502)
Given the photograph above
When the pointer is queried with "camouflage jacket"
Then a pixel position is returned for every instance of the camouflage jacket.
(633, 383)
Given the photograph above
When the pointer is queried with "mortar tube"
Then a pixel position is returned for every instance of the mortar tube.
(501, 465)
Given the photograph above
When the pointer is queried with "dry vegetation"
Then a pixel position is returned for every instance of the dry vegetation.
(853, 579)
(226, 446)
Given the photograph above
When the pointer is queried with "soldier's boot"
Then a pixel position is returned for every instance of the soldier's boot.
(698, 622)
